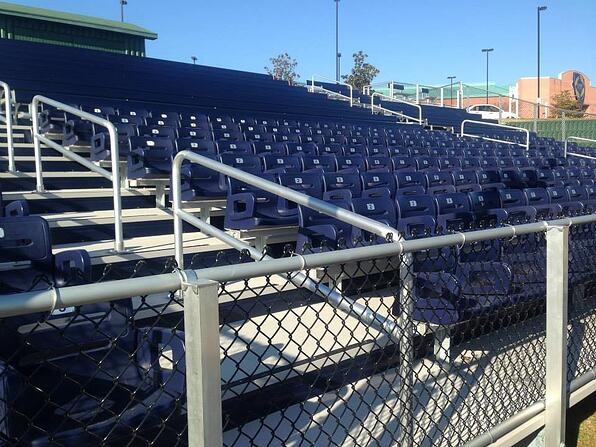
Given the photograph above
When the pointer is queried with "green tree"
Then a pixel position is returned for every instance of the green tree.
(567, 102)
(362, 73)
(283, 67)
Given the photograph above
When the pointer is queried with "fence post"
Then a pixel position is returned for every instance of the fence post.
(203, 372)
(536, 111)
(557, 256)
(564, 131)
(406, 347)
(417, 94)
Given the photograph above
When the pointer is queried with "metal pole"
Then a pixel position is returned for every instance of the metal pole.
(8, 118)
(538, 99)
(203, 372)
(337, 67)
(451, 78)
(557, 263)
(487, 77)
(122, 3)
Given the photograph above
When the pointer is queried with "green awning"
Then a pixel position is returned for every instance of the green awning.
(75, 19)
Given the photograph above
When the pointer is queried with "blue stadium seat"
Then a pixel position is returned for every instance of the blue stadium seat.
(248, 207)
(150, 157)
(343, 181)
(378, 209)
(325, 163)
(318, 232)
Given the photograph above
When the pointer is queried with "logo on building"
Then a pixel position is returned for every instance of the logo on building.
(579, 87)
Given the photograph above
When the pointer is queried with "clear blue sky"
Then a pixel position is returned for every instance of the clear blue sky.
(418, 41)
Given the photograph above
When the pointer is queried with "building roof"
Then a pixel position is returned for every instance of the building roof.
(75, 19)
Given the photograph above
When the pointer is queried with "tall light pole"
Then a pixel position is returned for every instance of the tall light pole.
(337, 53)
(194, 60)
(451, 78)
(122, 3)
(487, 50)
(539, 9)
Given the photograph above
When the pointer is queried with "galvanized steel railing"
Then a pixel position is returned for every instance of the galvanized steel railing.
(313, 86)
(419, 120)
(500, 126)
(586, 140)
(113, 176)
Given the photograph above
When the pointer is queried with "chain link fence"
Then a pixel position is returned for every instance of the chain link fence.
(434, 341)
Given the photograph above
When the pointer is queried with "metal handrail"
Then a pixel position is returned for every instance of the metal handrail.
(298, 278)
(502, 126)
(323, 78)
(372, 106)
(8, 120)
(113, 176)
(587, 140)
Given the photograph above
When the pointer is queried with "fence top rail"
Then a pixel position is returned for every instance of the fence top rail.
(47, 300)
(319, 205)
(502, 126)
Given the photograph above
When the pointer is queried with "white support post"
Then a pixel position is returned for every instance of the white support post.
(442, 97)
(557, 257)
(39, 186)
(417, 94)
(203, 371)
(8, 122)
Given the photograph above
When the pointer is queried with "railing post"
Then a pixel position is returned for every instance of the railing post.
(442, 98)
(116, 189)
(557, 264)
(8, 120)
(536, 111)
(36, 145)
(203, 371)
(564, 131)
(406, 347)
(417, 94)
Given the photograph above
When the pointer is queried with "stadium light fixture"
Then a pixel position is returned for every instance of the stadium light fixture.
(451, 78)
(194, 60)
(337, 53)
(487, 50)
(539, 9)
(122, 3)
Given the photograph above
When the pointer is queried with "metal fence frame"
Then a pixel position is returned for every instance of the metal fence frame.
(313, 86)
(418, 120)
(113, 176)
(7, 119)
(501, 126)
(587, 140)
(199, 290)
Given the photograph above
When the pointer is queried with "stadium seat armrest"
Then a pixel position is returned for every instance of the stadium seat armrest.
(242, 205)
(72, 267)
(16, 208)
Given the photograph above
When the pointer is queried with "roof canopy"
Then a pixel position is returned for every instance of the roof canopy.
(75, 19)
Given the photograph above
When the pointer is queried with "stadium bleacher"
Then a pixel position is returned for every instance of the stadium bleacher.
(420, 181)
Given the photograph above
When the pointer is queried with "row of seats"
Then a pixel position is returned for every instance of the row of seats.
(248, 207)
(91, 366)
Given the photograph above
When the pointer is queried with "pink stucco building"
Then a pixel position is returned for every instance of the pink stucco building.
(575, 81)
